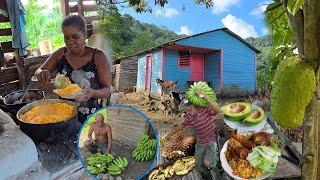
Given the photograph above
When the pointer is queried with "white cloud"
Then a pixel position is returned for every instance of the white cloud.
(258, 11)
(167, 12)
(264, 31)
(239, 26)
(185, 30)
(221, 6)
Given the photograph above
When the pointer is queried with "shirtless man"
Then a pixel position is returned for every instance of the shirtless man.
(103, 136)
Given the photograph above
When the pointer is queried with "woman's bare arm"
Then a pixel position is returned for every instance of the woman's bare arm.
(44, 72)
(51, 63)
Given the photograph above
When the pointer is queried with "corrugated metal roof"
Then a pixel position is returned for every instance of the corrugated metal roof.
(174, 41)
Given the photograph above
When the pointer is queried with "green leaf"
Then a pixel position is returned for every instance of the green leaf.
(281, 31)
(293, 6)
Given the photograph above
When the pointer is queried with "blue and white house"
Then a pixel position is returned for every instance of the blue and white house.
(219, 57)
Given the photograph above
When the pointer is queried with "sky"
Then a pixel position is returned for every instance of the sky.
(244, 17)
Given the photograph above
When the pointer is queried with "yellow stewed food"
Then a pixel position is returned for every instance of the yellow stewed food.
(73, 89)
(49, 113)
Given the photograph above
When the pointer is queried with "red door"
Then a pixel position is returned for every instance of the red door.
(147, 82)
(197, 68)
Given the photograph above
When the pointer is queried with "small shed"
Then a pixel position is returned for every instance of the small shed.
(125, 74)
(219, 57)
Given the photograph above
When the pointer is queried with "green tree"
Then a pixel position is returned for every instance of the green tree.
(43, 24)
(116, 30)
(128, 36)
(143, 5)
(141, 43)
(295, 24)
(264, 63)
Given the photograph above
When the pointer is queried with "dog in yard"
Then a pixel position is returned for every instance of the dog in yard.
(167, 86)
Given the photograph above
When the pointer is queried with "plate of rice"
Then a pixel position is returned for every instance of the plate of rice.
(72, 91)
(253, 157)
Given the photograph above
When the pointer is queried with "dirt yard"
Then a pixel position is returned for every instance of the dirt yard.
(134, 168)
(124, 140)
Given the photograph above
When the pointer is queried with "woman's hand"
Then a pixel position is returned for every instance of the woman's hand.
(87, 94)
(43, 76)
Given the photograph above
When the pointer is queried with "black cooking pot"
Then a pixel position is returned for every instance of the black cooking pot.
(7, 103)
(50, 131)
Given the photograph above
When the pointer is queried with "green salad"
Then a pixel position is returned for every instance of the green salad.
(265, 157)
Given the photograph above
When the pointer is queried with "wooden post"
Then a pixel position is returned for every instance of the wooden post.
(65, 8)
(80, 8)
(20, 67)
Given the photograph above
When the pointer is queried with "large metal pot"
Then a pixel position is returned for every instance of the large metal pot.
(52, 131)
(7, 103)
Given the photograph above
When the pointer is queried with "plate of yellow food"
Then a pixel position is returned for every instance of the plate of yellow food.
(250, 157)
(65, 89)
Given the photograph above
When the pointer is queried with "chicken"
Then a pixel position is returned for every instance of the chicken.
(237, 149)
(260, 138)
(242, 152)
(243, 140)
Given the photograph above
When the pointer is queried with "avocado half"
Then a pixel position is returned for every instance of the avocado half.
(237, 111)
(255, 117)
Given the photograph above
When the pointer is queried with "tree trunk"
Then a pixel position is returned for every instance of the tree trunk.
(297, 25)
(317, 104)
(310, 140)
(311, 128)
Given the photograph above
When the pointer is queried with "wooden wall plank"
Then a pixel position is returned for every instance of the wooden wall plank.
(3, 5)
(9, 87)
(7, 46)
(5, 32)
(87, 7)
(4, 19)
(8, 75)
(32, 64)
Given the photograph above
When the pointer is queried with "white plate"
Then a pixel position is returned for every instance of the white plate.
(242, 127)
(68, 96)
(225, 165)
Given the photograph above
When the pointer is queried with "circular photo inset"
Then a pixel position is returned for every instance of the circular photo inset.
(118, 141)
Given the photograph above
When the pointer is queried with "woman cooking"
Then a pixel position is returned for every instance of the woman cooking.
(83, 65)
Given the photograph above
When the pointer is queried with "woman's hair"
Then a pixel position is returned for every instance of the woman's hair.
(76, 21)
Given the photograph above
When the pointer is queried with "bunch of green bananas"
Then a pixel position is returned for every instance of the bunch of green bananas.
(117, 166)
(200, 87)
(98, 163)
(145, 149)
